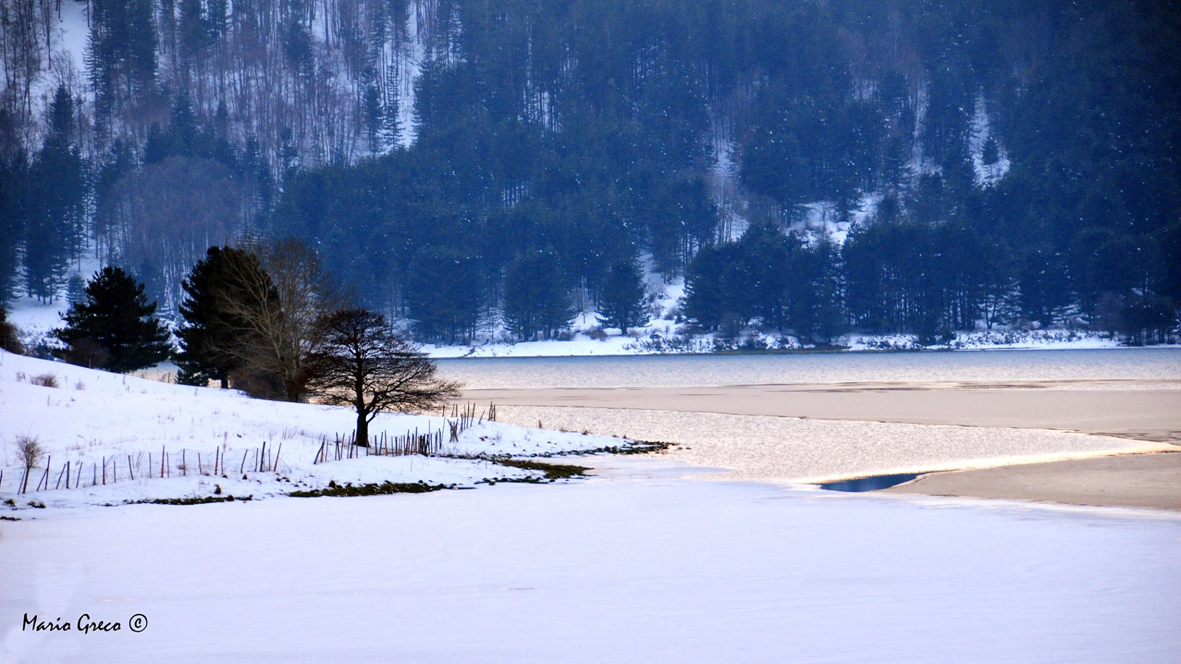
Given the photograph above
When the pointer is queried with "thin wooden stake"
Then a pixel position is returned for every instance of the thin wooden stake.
(44, 476)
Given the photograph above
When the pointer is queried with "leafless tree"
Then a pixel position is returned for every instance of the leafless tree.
(29, 451)
(272, 302)
(359, 361)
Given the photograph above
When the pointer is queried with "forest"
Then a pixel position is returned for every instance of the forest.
(811, 167)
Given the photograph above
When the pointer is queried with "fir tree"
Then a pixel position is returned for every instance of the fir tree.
(53, 233)
(443, 294)
(115, 328)
(536, 302)
(206, 330)
(991, 152)
(622, 300)
(11, 225)
(76, 289)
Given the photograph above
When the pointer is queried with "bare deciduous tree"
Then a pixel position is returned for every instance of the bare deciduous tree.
(29, 451)
(272, 303)
(359, 361)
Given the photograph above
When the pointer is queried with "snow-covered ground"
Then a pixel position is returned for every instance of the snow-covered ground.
(634, 564)
(637, 566)
(93, 419)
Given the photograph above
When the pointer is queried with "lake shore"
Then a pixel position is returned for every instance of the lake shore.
(1122, 461)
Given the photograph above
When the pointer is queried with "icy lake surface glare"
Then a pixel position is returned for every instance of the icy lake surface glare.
(1141, 364)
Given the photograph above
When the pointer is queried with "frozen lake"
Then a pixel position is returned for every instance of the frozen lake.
(1147, 365)
(810, 417)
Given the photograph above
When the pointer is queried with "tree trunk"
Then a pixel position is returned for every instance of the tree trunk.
(362, 430)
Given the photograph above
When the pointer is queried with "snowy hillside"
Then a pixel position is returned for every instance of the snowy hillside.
(664, 333)
(110, 431)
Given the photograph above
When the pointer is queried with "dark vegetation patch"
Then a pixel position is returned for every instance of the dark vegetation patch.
(642, 447)
(552, 471)
(385, 488)
(189, 501)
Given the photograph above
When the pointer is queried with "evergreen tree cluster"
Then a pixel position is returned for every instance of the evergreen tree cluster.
(463, 160)
(250, 316)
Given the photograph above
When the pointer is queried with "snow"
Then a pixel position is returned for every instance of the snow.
(999, 338)
(918, 164)
(639, 565)
(34, 319)
(94, 418)
(665, 337)
(72, 31)
(981, 129)
(410, 59)
(724, 185)
(821, 219)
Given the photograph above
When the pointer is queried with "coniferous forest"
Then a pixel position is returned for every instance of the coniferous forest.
(807, 166)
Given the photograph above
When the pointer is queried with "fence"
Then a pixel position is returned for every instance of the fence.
(127, 467)
(429, 443)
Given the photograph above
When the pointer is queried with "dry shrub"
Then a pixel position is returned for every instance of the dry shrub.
(29, 451)
(44, 380)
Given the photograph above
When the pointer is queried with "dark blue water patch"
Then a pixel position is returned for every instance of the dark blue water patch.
(872, 483)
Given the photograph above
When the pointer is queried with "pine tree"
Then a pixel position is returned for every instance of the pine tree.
(76, 289)
(372, 115)
(536, 302)
(391, 127)
(11, 226)
(204, 335)
(443, 293)
(622, 300)
(115, 328)
(991, 152)
(53, 232)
